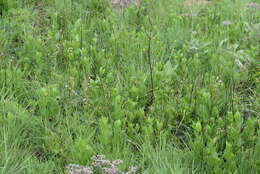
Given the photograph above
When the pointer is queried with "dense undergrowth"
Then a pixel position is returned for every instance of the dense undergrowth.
(167, 87)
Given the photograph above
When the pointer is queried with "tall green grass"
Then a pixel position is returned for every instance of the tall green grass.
(166, 87)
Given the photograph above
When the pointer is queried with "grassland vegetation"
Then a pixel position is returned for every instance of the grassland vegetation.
(167, 86)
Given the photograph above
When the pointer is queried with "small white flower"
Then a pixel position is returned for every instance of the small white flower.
(226, 22)
(253, 5)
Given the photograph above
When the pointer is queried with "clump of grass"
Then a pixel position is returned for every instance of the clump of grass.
(79, 78)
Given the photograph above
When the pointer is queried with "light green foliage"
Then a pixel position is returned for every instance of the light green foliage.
(77, 78)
